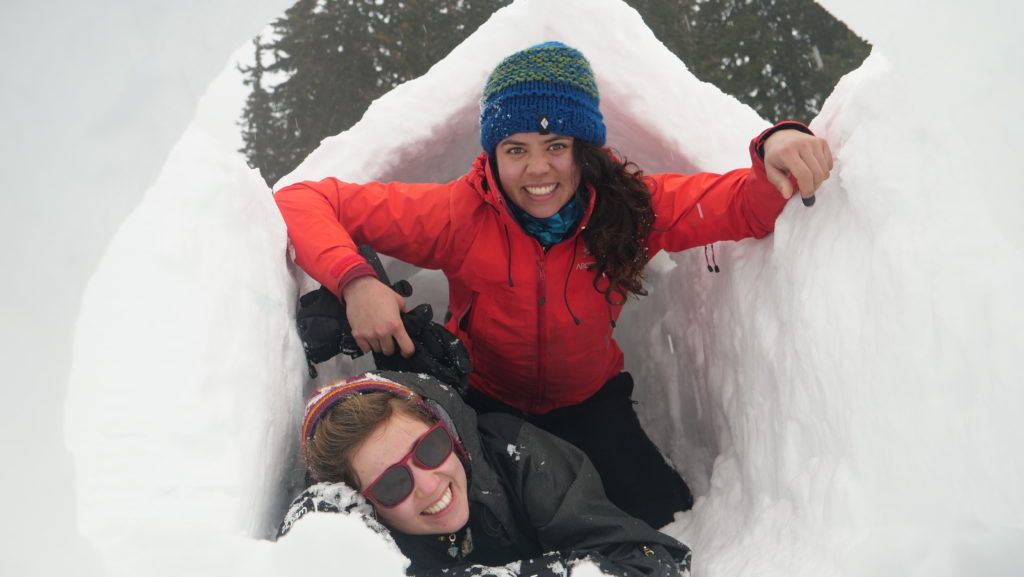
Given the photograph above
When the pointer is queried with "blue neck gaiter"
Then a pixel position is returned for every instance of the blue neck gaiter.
(553, 229)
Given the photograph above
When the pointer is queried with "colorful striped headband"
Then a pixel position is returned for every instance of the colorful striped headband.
(329, 395)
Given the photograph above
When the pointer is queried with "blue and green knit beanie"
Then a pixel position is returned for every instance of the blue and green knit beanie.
(547, 88)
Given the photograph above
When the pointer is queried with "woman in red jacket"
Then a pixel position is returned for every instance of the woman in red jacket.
(542, 243)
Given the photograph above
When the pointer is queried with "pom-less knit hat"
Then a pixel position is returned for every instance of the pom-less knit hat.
(547, 88)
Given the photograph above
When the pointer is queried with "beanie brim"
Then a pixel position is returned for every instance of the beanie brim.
(548, 88)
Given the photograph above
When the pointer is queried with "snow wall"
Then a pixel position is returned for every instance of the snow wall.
(842, 397)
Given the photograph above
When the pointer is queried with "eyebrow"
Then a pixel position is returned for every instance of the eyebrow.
(547, 141)
(412, 446)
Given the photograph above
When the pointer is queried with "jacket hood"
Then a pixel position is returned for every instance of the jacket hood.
(483, 179)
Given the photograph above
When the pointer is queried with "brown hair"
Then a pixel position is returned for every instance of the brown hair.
(623, 217)
(343, 427)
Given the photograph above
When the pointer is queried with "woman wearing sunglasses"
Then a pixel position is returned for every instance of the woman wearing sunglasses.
(458, 493)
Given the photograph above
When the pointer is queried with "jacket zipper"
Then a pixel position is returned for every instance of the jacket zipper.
(541, 326)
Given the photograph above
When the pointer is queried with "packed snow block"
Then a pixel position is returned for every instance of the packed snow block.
(187, 387)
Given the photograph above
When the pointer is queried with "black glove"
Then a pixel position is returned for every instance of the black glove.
(325, 332)
(439, 353)
(323, 328)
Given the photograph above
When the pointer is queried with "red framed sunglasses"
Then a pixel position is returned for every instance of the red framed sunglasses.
(395, 484)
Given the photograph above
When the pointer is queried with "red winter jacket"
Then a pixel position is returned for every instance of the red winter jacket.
(514, 305)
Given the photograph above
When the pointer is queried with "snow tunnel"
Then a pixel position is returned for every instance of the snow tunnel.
(427, 131)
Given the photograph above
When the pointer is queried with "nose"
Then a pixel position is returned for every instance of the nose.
(536, 164)
(425, 481)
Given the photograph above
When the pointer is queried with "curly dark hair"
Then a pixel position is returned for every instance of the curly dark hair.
(622, 218)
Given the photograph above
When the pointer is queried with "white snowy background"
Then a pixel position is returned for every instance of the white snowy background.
(844, 396)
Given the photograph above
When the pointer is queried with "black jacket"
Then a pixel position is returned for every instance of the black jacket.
(536, 505)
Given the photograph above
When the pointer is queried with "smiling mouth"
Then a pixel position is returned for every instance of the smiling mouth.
(441, 504)
(540, 190)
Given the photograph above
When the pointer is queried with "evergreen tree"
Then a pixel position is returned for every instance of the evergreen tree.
(780, 57)
(334, 57)
(337, 56)
(260, 127)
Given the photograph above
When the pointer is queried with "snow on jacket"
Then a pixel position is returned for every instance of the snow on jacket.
(538, 332)
(536, 505)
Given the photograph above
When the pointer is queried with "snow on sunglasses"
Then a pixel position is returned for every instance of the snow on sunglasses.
(395, 484)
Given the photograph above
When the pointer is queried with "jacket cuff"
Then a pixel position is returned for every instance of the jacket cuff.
(359, 269)
(784, 125)
(764, 202)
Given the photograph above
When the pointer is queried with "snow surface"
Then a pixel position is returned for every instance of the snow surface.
(843, 396)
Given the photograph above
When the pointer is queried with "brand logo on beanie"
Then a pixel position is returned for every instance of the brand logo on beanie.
(547, 88)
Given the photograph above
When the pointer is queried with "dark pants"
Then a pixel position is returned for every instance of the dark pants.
(605, 427)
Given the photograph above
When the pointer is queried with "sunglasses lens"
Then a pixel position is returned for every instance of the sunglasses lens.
(434, 448)
(393, 487)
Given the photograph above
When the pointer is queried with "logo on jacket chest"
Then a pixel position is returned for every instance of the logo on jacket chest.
(587, 261)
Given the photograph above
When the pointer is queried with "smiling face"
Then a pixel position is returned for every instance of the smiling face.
(439, 500)
(537, 171)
